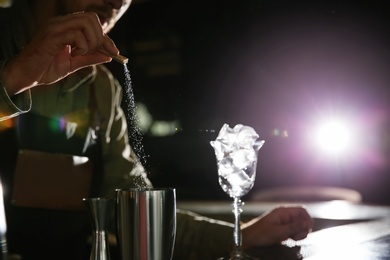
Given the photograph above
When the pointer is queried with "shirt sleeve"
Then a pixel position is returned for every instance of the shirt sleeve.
(200, 237)
(19, 104)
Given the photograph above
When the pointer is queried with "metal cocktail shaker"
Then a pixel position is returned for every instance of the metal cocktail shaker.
(146, 223)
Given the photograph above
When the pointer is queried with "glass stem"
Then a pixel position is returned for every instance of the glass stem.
(237, 226)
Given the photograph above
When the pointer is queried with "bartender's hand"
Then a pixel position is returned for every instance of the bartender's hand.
(276, 226)
(62, 46)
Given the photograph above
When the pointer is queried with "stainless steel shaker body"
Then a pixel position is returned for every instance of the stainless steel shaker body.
(146, 223)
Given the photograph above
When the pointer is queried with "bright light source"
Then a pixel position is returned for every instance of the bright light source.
(334, 136)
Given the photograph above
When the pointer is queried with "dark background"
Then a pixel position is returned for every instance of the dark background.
(278, 66)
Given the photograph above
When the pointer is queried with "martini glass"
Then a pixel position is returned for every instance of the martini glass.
(236, 151)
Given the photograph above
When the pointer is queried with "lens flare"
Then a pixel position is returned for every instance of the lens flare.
(334, 136)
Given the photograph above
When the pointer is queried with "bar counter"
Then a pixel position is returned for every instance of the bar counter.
(341, 231)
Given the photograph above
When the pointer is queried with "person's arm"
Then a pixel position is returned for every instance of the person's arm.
(9, 108)
(199, 237)
(62, 46)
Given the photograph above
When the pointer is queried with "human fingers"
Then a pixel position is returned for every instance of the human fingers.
(287, 214)
(97, 39)
(103, 54)
(96, 43)
(109, 46)
(301, 217)
(60, 47)
(83, 33)
(298, 230)
(87, 25)
(300, 236)
(80, 45)
(290, 222)
(299, 226)
(269, 233)
(86, 60)
(306, 219)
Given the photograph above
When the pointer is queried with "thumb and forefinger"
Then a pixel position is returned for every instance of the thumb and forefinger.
(101, 54)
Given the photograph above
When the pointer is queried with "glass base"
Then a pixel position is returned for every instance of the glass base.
(240, 256)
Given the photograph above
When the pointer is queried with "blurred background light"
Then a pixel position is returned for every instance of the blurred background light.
(164, 128)
(334, 136)
(144, 116)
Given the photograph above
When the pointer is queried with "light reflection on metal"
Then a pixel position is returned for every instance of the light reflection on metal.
(3, 226)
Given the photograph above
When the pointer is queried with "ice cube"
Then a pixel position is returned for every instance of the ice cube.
(243, 157)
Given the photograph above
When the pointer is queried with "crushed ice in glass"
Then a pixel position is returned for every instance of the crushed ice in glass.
(236, 152)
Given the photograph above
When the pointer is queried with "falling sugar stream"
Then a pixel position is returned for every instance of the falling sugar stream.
(135, 135)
